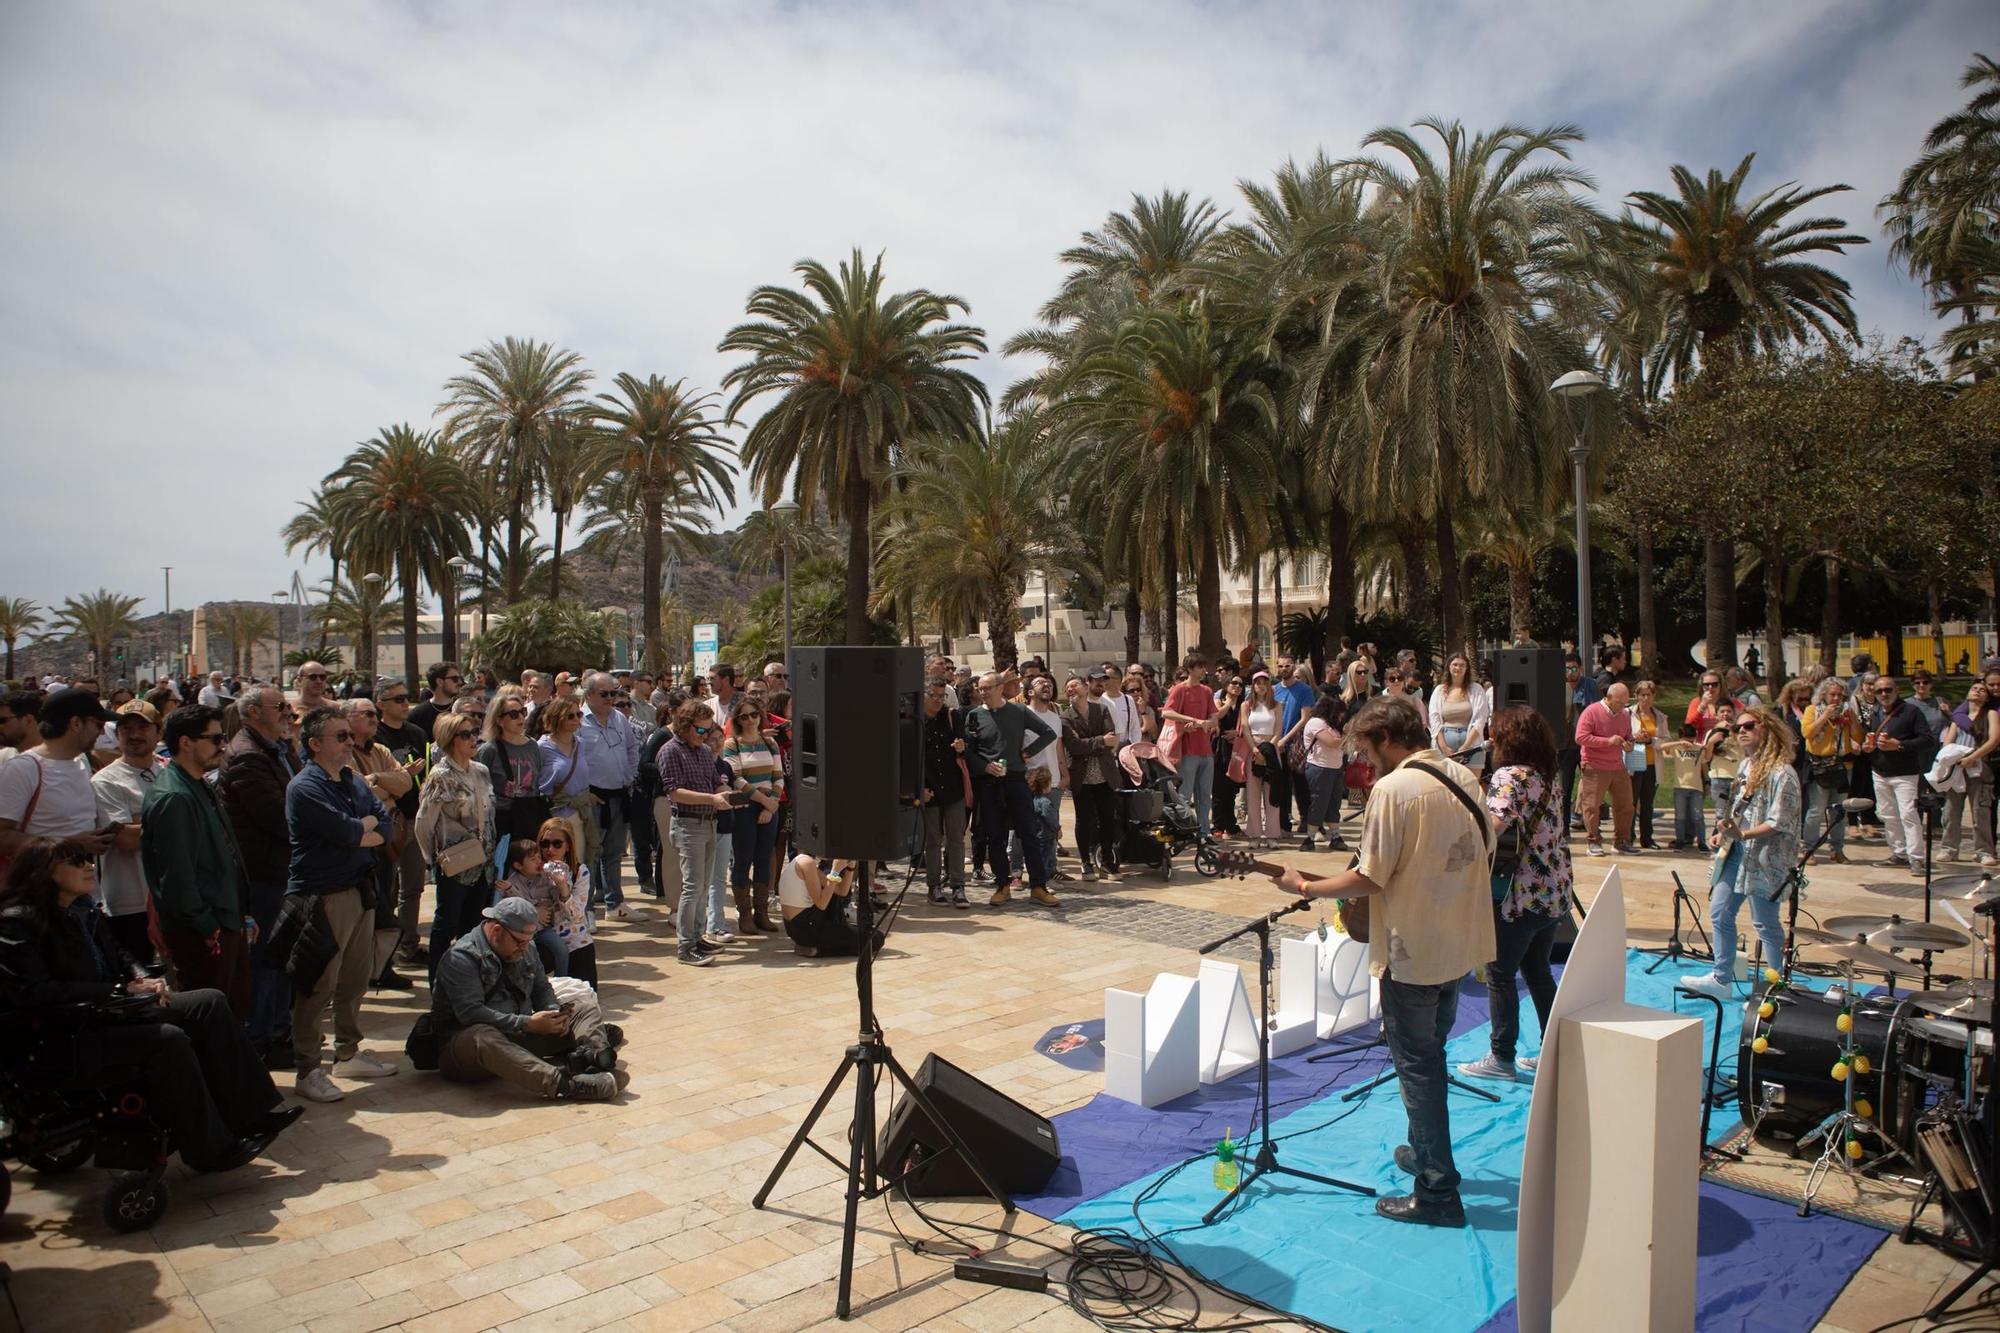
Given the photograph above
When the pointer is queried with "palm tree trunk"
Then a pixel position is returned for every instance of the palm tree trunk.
(1934, 608)
(447, 591)
(1339, 575)
(1170, 602)
(1649, 612)
(858, 559)
(1719, 587)
(555, 562)
(652, 499)
(1208, 596)
(1277, 596)
(1256, 578)
(1000, 614)
(408, 575)
(1450, 596)
(1774, 621)
(10, 657)
(1416, 589)
(1520, 602)
(516, 518)
(485, 566)
(1829, 617)
(1131, 624)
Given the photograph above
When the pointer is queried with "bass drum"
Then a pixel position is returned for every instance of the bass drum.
(1788, 1090)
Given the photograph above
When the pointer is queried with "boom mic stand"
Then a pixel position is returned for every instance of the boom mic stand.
(1673, 949)
(866, 1059)
(1796, 882)
(1266, 1160)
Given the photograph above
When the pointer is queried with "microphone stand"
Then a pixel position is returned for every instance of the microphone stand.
(1266, 1160)
(1796, 883)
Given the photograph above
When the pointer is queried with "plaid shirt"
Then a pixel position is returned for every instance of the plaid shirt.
(690, 768)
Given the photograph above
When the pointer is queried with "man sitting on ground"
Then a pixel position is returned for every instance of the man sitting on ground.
(496, 1015)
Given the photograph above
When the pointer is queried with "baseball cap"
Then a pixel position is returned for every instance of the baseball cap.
(517, 914)
(139, 708)
(59, 710)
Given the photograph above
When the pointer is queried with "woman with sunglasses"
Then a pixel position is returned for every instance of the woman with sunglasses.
(565, 776)
(1758, 849)
(754, 760)
(690, 781)
(456, 804)
(561, 863)
(1708, 697)
(516, 763)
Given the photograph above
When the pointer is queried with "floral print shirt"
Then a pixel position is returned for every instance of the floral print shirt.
(1544, 883)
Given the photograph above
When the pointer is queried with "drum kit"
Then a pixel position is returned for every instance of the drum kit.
(1867, 1079)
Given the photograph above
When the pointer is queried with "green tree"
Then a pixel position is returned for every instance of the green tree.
(99, 619)
(1473, 273)
(502, 413)
(400, 498)
(853, 374)
(573, 460)
(358, 611)
(545, 635)
(663, 459)
(19, 618)
(1738, 278)
(758, 546)
(968, 520)
(314, 530)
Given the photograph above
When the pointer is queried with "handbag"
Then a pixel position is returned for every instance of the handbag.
(422, 1045)
(1238, 771)
(460, 857)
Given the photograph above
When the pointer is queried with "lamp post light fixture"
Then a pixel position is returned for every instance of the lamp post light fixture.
(1571, 388)
(788, 513)
(371, 606)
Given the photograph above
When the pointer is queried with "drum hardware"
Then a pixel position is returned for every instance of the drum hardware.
(1710, 1151)
(1673, 948)
(1796, 882)
(1861, 956)
(1964, 1001)
(1843, 1132)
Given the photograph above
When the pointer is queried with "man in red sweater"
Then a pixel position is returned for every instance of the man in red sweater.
(1603, 735)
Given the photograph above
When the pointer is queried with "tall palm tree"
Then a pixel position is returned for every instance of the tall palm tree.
(572, 462)
(1738, 280)
(19, 617)
(1471, 269)
(968, 520)
(401, 498)
(99, 619)
(759, 546)
(359, 612)
(313, 530)
(855, 373)
(1144, 254)
(661, 455)
(502, 411)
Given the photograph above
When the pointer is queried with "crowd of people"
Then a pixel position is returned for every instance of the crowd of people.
(264, 853)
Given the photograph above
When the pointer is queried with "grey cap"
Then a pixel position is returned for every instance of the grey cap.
(517, 914)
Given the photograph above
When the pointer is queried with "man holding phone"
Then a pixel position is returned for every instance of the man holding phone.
(1902, 747)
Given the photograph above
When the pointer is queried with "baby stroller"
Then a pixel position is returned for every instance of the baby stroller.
(61, 1106)
(1160, 822)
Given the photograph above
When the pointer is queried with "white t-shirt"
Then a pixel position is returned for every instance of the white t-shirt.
(1050, 757)
(67, 806)
(1324, 747)
(212, 697)
(121, 795)
(1260, 721)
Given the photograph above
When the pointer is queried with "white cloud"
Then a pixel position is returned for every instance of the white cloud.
(244, 237)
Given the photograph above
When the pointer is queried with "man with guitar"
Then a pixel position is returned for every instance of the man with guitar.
(1425, 857)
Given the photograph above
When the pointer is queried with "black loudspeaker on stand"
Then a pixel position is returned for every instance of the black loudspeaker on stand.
(856, 766)
(1534, 677)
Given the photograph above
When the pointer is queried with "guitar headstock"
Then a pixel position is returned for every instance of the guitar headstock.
(1233, 863)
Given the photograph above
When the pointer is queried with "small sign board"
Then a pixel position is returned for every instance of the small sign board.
(707, 647)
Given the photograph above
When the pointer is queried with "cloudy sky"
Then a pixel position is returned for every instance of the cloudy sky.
(241, 238)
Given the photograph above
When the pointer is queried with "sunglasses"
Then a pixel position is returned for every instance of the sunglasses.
(456, 680)
(511, 712)
(341, 737)
(314, 675)
(554, 844)
(395, 698)
(1746, 726)
(212, 737)
(603, 694)
(1885, 689)
(703, 731)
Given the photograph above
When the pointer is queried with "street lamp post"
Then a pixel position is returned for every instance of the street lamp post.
(173, 628)
(370, 607)
(278, 600)
(458, 564)
(1571, 388)
(788, 512)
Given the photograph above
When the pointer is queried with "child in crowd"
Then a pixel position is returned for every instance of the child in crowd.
(1721, 759)
(526, 878)
(1681, 760)
(1039, 786)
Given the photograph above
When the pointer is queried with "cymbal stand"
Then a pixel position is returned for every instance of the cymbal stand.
(1842, 1131)
(1797, 887)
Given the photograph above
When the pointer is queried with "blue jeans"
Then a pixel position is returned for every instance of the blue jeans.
(1522, 945)
(555, 954)
(1765, 915)
(1687, 818)
(1417, 1020)
(1328, 786)
(608, 870)
(754, 845)
(1197, 777)
(1005, 806)
(270, 985)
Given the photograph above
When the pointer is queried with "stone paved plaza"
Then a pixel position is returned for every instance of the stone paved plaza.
(439, 1208)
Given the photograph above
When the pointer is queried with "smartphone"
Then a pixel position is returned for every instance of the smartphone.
(739, 798)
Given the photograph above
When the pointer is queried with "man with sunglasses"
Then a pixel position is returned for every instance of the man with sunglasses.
(335, 824)
(311, 684)
(1902, 747)
(257, 765)
(200, 887)
(690, 780)
(609, 746)
(446, 681)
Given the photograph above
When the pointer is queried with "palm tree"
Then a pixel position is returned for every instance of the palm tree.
(759, 546)
(19, 618)
(662, 455)
(98, 618)
(313, 530)
(400, 498)
(968, 521)
(857, 373)
(1472, 272)
(572, 462)
(503, 412)
(1143, 254)
(242, 627)
(1736, 281)
(359, 611)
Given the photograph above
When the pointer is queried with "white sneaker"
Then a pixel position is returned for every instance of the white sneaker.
(1528, 1065)
(1708, 985)
(315, 1086)
(622, 912)
(1488, 1067)
(363, 1065)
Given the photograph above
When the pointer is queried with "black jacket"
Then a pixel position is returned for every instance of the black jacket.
(251, 787)
(941, 773)
(56, 966)
(1908, 725)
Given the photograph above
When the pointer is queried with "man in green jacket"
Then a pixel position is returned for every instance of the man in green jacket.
(200, 888)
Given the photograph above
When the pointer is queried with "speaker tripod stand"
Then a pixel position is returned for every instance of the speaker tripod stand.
(867, 1060)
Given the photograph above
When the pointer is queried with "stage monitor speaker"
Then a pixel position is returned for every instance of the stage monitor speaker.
(856, 758)
(1016, 1148)
(1534, 676)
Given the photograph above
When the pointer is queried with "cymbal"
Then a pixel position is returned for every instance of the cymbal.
(1851, 927)
(1805, 935)
(1861, 955)
(1980, 986)
(1926, 935)
(1953, 1003)
(1960, 881)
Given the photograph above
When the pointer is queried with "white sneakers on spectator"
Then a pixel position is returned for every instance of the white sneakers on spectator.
(363, 1065)
(316, 1086)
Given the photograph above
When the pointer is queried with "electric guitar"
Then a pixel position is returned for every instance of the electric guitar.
(1350, 914)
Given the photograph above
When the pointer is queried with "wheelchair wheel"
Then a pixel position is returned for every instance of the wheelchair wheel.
(62, 1160)
(135, 1201)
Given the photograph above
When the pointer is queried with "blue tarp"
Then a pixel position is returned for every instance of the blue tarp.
(1323, 1253)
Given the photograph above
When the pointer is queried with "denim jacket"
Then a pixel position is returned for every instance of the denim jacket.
(475, 986)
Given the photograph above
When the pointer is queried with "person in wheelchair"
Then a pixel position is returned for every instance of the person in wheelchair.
(201, 1074)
